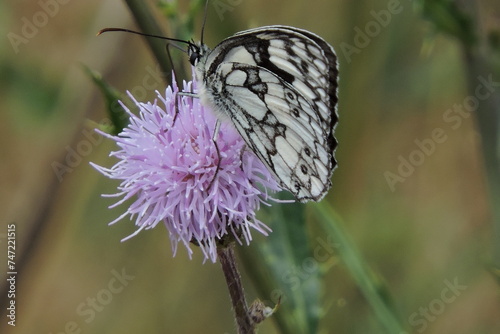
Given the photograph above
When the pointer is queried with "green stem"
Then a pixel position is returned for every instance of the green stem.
(488, 123)
(148, 24)
(479, 60)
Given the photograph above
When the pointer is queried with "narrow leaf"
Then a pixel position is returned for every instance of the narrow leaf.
(370, 285)
(277, 267)
(117, 114)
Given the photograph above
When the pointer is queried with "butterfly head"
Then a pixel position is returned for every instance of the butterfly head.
(196, 52)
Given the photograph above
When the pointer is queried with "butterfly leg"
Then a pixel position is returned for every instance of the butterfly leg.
(178, 96)
(214, 139)
(176, 107)
(214, 136)
(242, 152)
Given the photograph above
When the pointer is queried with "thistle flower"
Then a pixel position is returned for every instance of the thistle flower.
(200, 189)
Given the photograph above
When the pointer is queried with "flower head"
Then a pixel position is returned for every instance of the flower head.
(201, 189)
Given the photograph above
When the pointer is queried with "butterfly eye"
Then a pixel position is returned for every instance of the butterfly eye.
(194, 54)
(193, 58)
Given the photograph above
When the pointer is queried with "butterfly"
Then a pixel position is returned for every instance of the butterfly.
(278, 86)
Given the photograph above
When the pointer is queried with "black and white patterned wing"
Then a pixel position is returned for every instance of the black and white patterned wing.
(278, 86)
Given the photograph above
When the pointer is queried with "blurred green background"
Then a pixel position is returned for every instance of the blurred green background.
(420, 236)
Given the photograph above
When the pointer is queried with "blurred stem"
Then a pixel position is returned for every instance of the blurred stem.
(371, 287)
(488, 118)
(233, 279)
(481, 61)
(148, 24)
(478, 65)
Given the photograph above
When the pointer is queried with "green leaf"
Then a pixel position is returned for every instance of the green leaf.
(449, 18)
(279, 267)
(370, 284)
(117, 114)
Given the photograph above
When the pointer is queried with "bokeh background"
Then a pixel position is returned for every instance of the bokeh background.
(420, 236)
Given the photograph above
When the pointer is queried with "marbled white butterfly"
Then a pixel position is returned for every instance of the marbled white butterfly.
(278, 86)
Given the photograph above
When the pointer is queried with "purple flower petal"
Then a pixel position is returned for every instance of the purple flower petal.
(168, 163)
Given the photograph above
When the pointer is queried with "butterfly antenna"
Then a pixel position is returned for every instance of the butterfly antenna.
(167, 47)
(169, 55)
(204, 21)
(144, 34)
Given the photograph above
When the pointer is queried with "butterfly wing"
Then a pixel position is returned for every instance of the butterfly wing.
(278, 86)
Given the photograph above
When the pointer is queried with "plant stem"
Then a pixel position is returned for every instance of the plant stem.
(233, 280)
(488, 118)
(146, 20)
(479, 63)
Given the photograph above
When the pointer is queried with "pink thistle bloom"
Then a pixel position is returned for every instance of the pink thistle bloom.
(169, 163)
